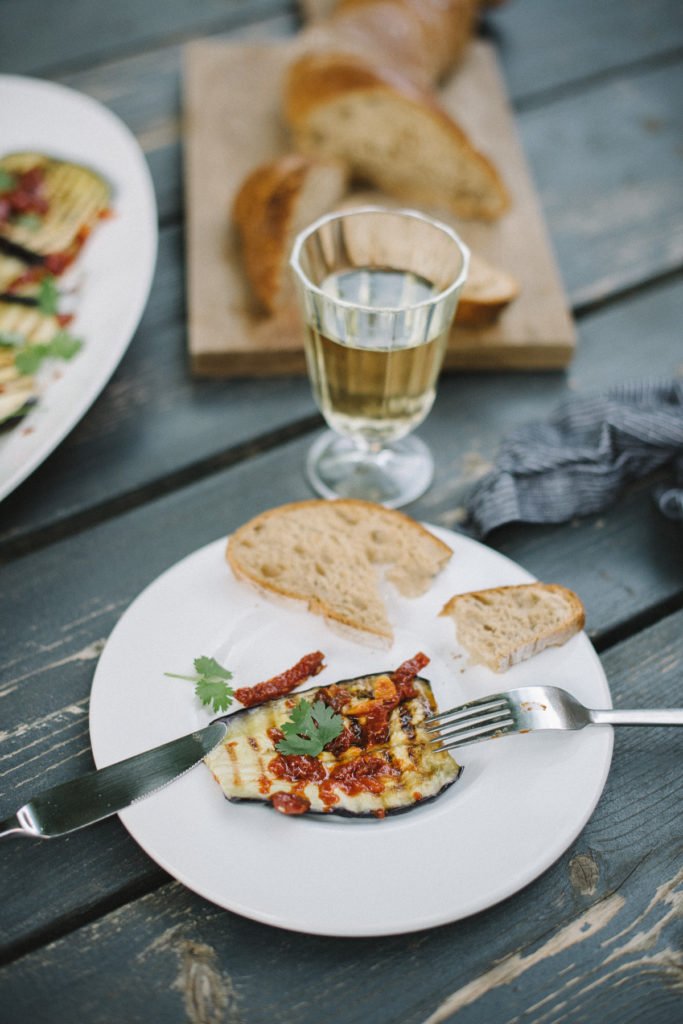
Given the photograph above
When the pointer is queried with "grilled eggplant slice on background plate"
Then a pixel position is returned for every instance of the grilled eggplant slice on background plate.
(18, 391)
(381, 763)
(75, 197)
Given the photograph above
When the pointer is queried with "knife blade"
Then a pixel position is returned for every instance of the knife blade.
(99, 794)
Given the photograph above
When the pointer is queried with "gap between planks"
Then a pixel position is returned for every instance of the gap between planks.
(204, 468)
(547, 95)
(251, 12)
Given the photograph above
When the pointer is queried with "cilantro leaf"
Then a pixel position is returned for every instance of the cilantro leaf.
(309, 729)
(210, 667)
(214, 692)
(28, 359)
(7, 181)
(48, 295)
(30, 221)
(63, 346)
(209, 683)
(329, 723)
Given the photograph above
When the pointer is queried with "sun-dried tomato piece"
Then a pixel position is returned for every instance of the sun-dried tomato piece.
(290, 803)
(280, 685)
(377, 723)
(405, 674)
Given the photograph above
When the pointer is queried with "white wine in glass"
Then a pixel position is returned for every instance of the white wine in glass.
(379, 290)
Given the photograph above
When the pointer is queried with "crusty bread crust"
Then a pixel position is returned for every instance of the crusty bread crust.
(487, 291)
(440, 552)
(526, 644)
(265, 213)
(263, 210)
(317, 80)
(442, 28)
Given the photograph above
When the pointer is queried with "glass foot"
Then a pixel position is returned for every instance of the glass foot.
(394, 475)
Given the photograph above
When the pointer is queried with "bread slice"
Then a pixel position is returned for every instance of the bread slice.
(329, 553)
(274, 203)
(505, 625)
(391, 132)
(486, 293)
(487, 290)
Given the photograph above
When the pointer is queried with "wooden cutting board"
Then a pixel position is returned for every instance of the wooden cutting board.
(233, 123)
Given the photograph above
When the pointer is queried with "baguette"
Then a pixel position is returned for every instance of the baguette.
(391, 133)
(441, 29)
(505, 625)
(328, 553)
(275, 202)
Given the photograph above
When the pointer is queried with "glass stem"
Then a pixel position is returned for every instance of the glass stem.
(369, 447)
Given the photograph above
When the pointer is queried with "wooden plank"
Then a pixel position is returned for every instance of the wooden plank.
(547, 47)
(90, 32)
(608, 168)
(144, 91)
(232, 113)
(57, 607)
(594, 938)
(152, 421)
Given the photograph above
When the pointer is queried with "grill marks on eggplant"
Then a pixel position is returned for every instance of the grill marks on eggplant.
(352, 776)
(76, 197)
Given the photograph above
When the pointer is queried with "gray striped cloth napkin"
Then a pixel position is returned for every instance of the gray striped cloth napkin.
(576, 462)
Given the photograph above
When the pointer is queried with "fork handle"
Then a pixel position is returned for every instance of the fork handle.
(641, 716)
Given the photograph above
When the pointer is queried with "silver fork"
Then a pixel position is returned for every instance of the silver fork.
(527, 710)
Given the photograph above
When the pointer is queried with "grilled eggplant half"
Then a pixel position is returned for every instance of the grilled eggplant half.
(27, 323)
(75, 197)
(381, 763)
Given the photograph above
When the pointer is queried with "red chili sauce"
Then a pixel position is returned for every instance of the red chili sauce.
(364, 774)
(25, 196)
(297, 768)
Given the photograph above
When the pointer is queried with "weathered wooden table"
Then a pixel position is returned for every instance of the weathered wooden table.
(92, 930)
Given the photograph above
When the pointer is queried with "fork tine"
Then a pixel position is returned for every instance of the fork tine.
(487, 732)
(456, 727)
(494, 699)
(466, 713)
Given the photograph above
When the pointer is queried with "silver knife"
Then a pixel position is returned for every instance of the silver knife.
(98, 794)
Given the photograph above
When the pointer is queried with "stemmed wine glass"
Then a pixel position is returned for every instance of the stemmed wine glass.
(378, 290)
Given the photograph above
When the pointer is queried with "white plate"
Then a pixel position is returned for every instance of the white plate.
(518, 805)
(114, 271)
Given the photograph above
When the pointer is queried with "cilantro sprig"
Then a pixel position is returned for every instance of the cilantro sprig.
(48, 295)
(28, 358)
(309, 729)
(8, 181)
(30, 221)
(210, 683)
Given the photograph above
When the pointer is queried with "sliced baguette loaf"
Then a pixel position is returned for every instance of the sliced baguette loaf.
(328, 554)
(440, 29)
(273, 204)
(391, 132)
(382, 32)
(505, 625)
